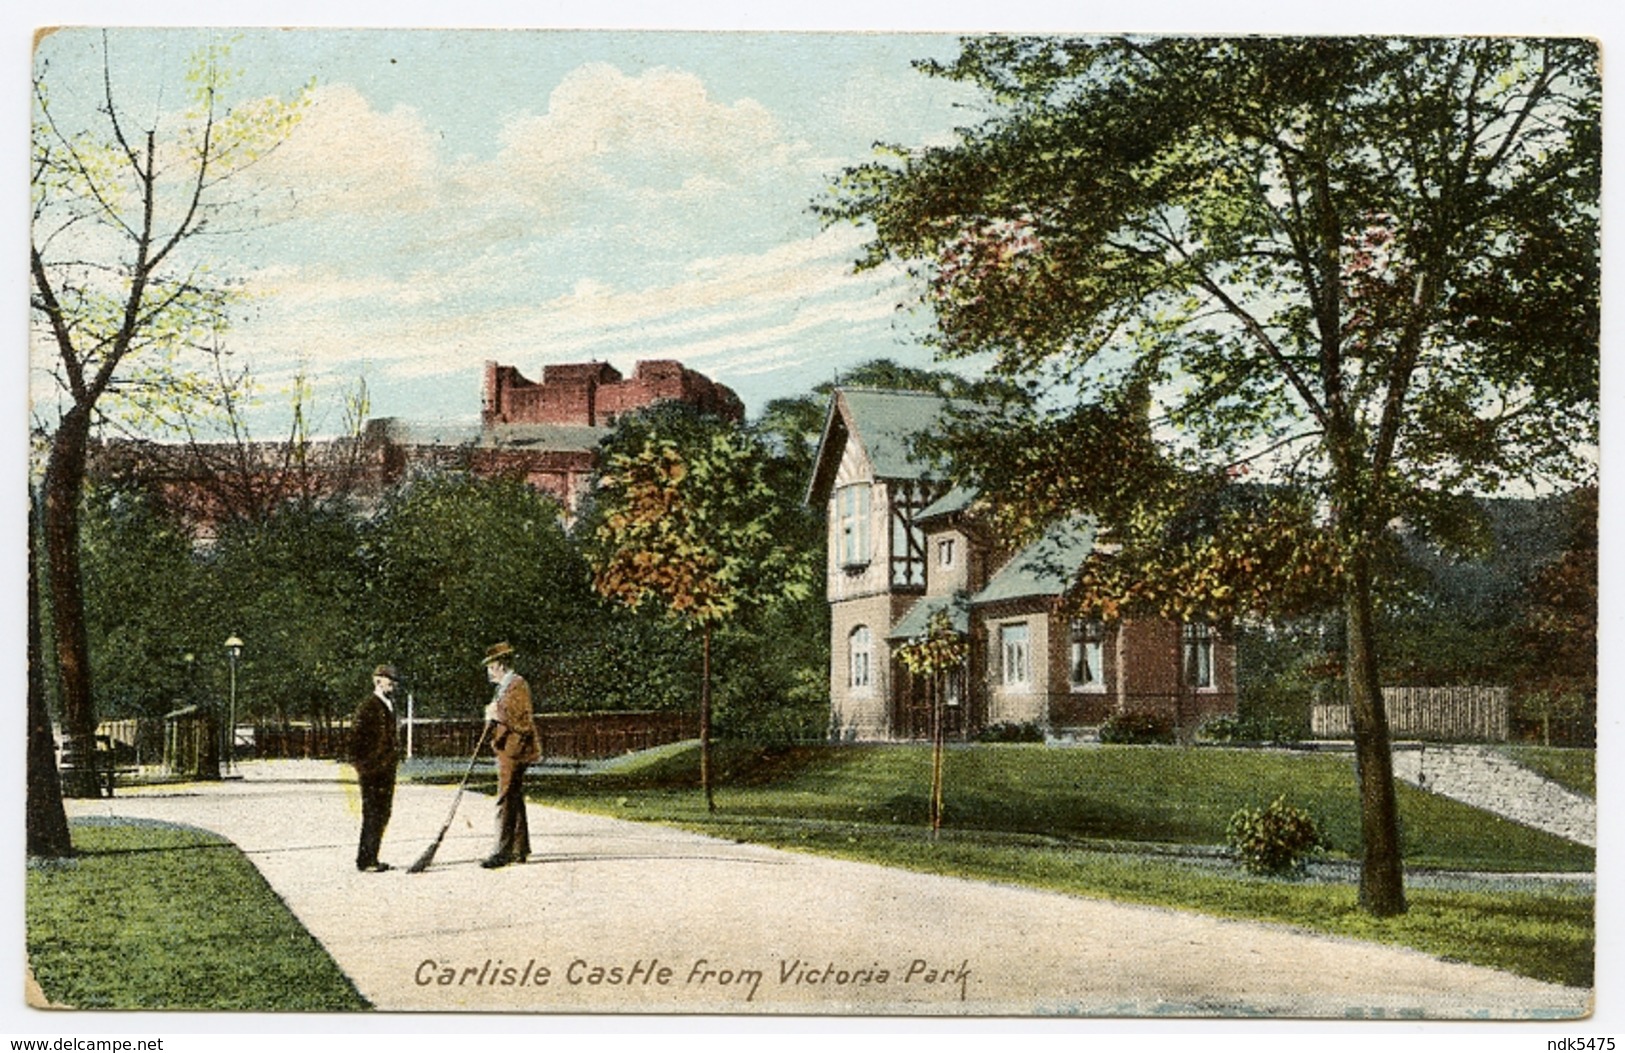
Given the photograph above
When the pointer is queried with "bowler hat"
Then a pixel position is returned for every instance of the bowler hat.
(389, 671)
(498, 652)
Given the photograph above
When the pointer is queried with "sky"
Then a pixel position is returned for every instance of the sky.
(533, 197)
(539, 197)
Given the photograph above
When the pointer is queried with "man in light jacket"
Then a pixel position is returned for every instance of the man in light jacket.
(516, 746)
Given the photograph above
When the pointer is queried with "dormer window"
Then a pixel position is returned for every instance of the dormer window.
(852, 511)
(945, 553)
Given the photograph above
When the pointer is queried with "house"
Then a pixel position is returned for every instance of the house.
(904, 544)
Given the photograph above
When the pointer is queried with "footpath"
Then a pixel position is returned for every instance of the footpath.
(616, 917)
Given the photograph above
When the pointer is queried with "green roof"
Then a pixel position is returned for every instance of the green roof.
(955, 500)
(918, 619)
(885, 424)
(1044, 568)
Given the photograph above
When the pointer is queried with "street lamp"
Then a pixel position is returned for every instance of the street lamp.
(234, 648)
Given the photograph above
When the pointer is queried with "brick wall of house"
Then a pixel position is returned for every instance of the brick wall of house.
(863, 714)
(1082, 707)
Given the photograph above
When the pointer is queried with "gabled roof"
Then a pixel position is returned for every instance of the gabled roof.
(884, 424)
(1047, 567)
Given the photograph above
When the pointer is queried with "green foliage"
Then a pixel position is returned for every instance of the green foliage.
(452, 564)
(686, 518)
(162, 917)
(1300, 250)
(1229, 231)
(135, 320)
(143, 593)
(1267, 729)
(1137, 727)
(290, 587)
(1011, 733)
(1277, 839)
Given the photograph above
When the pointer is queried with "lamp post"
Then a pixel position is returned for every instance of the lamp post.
(234, 648)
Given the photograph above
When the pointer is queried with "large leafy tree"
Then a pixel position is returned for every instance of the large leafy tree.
(146, 607)
(1365, 270)
(686, 521)
(290, 585)
(121, 294)
(453, 564)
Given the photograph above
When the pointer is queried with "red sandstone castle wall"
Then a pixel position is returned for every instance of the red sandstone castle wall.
(594, 393)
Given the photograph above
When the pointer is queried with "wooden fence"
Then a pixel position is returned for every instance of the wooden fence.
(1446, 714)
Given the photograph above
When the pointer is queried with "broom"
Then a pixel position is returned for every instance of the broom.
(427, 857)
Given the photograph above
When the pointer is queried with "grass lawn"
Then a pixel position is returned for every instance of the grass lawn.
(1574, 769)
(1133, 823)
(156, 916)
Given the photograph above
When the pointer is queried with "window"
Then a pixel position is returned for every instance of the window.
(1013, 651)
(858, 651)
(852, 507)
(1087, 656)
(1199, 656)
(945, 552)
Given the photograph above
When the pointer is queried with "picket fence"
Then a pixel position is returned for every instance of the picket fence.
(1441, 714)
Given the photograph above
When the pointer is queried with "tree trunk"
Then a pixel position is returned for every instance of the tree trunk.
(47, 821)
(1382, 882)
(936, 752)
(64, 484)
(705, 720)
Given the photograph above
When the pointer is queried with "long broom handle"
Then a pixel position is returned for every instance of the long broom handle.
(455, 801)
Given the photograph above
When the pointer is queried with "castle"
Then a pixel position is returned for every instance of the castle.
(545, 433)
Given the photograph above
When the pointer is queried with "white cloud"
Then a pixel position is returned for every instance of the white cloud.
(345, 156)
(659, 133)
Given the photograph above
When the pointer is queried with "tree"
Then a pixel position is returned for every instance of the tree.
(120, 295)
(454, 563)
(291, 585)
(1364, 270)
(936, 655)
(1559, 631)
(685, 521)
(46, 826)
(145, 604)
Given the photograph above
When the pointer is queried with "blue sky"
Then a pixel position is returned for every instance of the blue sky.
(536, 197)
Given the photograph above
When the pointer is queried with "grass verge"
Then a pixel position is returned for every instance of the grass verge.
(156, 916)
(1127, 823)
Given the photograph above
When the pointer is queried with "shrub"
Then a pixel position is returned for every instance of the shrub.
(1011, 733)
(1221, 729)
(1278, 839)
(1137, 728)
(1270, 727)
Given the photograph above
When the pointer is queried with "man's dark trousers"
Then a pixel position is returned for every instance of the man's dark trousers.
(377, 797)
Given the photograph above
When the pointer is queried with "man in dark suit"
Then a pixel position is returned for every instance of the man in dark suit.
(514, 742)
(374, 753)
